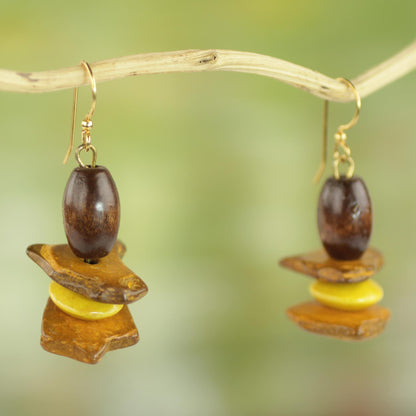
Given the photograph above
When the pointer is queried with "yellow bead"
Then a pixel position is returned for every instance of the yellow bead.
(347, 296)
(79, 306)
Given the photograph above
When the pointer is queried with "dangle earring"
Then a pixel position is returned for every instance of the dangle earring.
(86, 314)
(346, 298)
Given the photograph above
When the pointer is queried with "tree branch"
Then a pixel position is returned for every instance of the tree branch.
(213, 60)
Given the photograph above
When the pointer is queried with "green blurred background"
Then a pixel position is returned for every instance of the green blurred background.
(214, 172)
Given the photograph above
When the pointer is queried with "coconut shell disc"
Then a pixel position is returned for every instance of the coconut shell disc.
(318, 264)
(86, 341)
(351, 326)
(108, 281)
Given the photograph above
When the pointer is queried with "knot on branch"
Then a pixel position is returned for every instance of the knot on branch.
(210, 58)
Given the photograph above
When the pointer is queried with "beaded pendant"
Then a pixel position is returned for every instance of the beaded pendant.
(346, 297)
(86, 314)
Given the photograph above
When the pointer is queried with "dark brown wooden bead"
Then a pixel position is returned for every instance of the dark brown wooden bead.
(91, 209)
(345, 217)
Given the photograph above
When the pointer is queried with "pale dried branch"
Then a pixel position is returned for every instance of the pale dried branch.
(213, 60)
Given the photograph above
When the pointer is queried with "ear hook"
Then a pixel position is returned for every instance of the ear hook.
(353, 122)
(322, 165)
(86, 123)
(340, 137)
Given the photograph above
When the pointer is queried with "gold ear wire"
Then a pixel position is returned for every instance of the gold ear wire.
(342, 152)
(71, 137)
(322, 165)
(340, 138)
(341, 129)
(86, 123)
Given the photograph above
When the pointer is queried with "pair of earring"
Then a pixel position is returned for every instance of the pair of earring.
(345, 305)
(86, 314)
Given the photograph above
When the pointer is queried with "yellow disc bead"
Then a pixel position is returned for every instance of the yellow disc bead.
(80, 306)
(347, 296)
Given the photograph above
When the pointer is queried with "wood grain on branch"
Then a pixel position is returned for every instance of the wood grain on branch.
(213, 60)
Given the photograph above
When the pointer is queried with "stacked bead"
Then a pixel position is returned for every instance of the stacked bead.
(346, 295)
(86, 314)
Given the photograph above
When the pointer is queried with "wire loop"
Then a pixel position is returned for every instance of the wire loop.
(87, 148)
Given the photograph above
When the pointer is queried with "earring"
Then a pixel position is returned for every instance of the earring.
(345, 305)
(86, 314)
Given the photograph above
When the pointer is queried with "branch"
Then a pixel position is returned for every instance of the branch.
(213, 60)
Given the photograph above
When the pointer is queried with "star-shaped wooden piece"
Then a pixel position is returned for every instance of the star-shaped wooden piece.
(86, 341)
(108, 281)
(318, 264)
(351, 326)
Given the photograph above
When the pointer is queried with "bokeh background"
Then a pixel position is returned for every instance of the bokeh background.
(214, 172)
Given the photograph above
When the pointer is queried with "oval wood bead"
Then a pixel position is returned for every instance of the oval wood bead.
(345, 217)
(91, 209)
